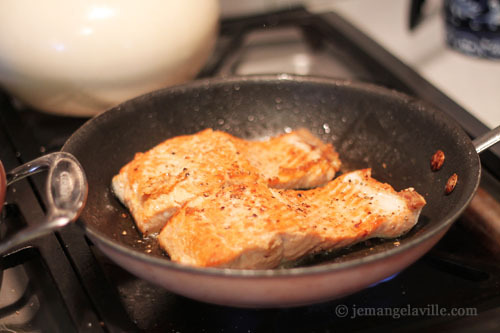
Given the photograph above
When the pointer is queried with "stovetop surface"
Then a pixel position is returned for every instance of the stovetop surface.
(63, 283)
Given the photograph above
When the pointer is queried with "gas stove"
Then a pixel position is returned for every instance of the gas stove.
(63, 283)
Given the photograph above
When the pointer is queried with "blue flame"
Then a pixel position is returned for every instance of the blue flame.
(389, 278)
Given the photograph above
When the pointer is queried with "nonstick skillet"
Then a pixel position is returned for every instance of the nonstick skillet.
(370, 126)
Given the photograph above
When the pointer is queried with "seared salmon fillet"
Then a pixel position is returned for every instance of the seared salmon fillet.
(297, 160)
(253, 226)
(157, 183)
(355, 207)
(239, 225)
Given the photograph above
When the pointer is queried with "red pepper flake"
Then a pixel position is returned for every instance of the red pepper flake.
(451, 183)
(437, 160)
(222, 208)
(254, 215)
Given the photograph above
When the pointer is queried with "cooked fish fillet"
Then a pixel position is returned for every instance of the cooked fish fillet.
(157, 183)
(297, 160)
(355, 207)
(237, 226)
(253, 226)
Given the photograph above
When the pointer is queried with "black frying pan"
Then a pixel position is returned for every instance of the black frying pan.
(370, 127)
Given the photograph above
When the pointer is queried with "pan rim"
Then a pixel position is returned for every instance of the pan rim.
(280, 272)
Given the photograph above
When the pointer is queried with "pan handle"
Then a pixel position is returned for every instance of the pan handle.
(66, 192)
(487, 140)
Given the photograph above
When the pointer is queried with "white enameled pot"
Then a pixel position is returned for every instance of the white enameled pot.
(79, 57)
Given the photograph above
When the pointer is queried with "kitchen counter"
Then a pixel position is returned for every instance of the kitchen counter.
(472, 82)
